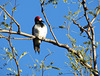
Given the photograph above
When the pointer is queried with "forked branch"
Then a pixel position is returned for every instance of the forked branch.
(47, 21)
(19, 30)
(90, 28)
(95, 72)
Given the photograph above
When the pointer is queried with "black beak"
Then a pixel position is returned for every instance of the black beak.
(42, 21)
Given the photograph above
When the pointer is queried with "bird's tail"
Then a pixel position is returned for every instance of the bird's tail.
(37, 48)
(36, 45)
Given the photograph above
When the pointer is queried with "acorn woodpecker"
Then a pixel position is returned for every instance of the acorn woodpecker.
(38, 30)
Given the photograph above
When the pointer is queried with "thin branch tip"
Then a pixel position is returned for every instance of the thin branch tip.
(19, 29)
(48, 21)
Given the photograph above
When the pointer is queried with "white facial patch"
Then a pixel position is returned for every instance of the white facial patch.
(40, 19)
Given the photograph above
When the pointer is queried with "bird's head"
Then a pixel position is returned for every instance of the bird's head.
(38, 20)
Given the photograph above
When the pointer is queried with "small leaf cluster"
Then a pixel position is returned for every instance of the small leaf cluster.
(54, 2)
(8, 56)
(42, 66)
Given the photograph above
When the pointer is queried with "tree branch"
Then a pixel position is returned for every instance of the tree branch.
(85, 9)
(57, 44)
(47, 21)
(9, 39)
(90, 28)
(14, 57)
(19, 30)
(93, 48)
(82, 29)
(93, 39)
(95, 15)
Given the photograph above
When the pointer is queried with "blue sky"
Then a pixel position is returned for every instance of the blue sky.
(24, 15)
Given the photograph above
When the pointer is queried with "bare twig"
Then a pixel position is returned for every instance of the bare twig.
(80, 18)
(67, 27)
(85, 9)
(47, 21)
(82, 29)
(47, 55)
(8, 38)
(59, 45)
(43, 62)
(19, 30)
(17, 64)
(16, 38)
(95, 15)
(93, 38)
(85, 14)
(90, 28)
(1, 36)
(91, 61)
(93, 48)
(14, 57)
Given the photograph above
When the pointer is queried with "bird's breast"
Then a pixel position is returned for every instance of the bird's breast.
(40, 31)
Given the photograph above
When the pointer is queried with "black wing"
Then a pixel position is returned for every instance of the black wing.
(36, 46)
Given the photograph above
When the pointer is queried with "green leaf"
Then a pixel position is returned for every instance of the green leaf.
(90, 57)
(36, 60)
(6, 25)
(87, 49)
(14, 9)
(62, 26)
(21, 70)
(87, 42)
(5, 16)
(65, 16)
(6, 28)
(93, 14)
(74, 46)
(41, 1)
(12, 70)
(76, 13)
(87, 60)
(53, 28)
(54, 2)
(23, 54)
(9, 69)
(80, 5)
(52, 62)
(60, 73)
(98, 43)
(69, 57)
(70, 13)
(55, 68)
(55, 6)
(99, 20)
(9, 53)
(68, 17)
(3, 23)
(48, 67)
(73, 40)
(35, 65)
(4, 58)
(65, 1)
(50, 1)
(11, 22)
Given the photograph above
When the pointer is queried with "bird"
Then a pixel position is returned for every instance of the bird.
(38, 30)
